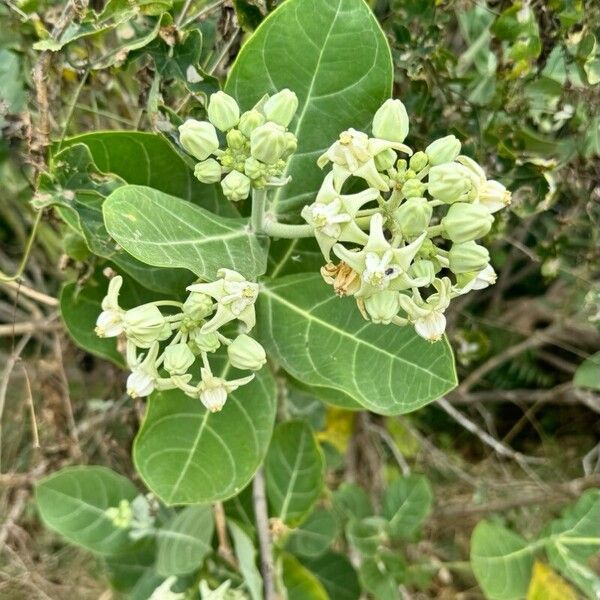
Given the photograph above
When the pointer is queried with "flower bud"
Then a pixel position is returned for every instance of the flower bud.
(291, 143)
(383, 306)
(178, 359)
(198, 305)
(281, 107)
(121, 515)
(235, 139)
(144, 325)
(423, 271)
(254, 168)
(208, 171)
(223, 111)
(385, 160)
(418, 161)
(267, 143)
(451, 182)
(413, 188)
(203, 342)
(198, 138)
(494, 196)
(391, 121)
(468, 256)
(249, 121)
(467, 222)
(444, 150)
(213, 397)
(432, 326)
(236, 186)
(246, 353)
(413, 216)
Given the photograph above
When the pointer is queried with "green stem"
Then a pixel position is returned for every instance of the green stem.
(290, 232)
(435, 230)
(257, 218)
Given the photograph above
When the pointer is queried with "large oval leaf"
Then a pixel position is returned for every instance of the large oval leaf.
(333, 54)
(184, 541)
(165, 231)
(73, 503)
(294, 470)
(187, 455)
(323, 341)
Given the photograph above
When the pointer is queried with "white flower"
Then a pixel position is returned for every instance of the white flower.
(432, 326)
(163, 591)
(213, 390)
(479, 281)
(378, 272)
(492, 194)
(110, 320)
(140, 383)
(144, 377)
(235, 298)
(327, 218)
(145, 324)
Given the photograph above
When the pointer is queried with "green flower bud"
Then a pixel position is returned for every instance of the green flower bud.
(385, 160)
(199, 138)
(121, 516)
(267, 143)
(401, 165)
(468, 256)
(203, 342)
(178, 359)
(383, 306)
(418, 161)
(423, 270)
(291, 143)
(413, 188)
(235, 139)
(254, 168)
(451, 182)
(236, 186)
(208, 171)
(391, 121)
(246, 353)
(198, 305)
(413, 217)
(281, 107)
(145, 325)
(223, 111)
(249, 121)
(444, 150)
(467, 222)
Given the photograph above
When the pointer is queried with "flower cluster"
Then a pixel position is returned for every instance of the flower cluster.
(172, 343)
(137, 516)
(424, 212)
(256, 145)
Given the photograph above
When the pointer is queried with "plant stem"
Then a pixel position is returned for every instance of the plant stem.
(290, 232)
(257, 219)
(264, 538)
(435, 230)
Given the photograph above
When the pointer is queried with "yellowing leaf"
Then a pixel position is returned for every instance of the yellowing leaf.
(547, 585)
(339, 425)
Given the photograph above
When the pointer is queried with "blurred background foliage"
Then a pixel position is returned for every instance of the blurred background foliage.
(517, 82)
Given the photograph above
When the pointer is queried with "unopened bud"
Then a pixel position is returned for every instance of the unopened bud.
(451, 182)
(236, 186)
(418, 161)
(291, 143)
(281, 107)
(178, 359)
(383, 306)
(385, 160)
(199, 138)
(144, 325)
(413, 188)
(444, 150)
(249, 121)
(413, 216)
(391, 121)
(267, 143)
(246, 353)
(423, 271)
(467, 222)
(203, 342)
(468, 256)
(208, 171)
(254, 168)
(235, 139)
(494, 196)
(198, 305)
(223, 111)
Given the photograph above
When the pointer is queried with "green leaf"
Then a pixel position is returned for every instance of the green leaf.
(315, 535)
(377, 580)
(187, 455)
(337, 575)
(126, 571)
(73, 502)
(588, 373)
(299, 582)
(306, 45)
(246, 555)
(184, 541)
(406, 503)
(501, 560)
(322, 340)
(352, 502)
(574, 539)
(294, 469)
(79, 309)
(165, 231)
(367, 534)
(142, 158)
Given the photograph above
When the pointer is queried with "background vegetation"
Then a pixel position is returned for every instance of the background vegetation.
(518, 439)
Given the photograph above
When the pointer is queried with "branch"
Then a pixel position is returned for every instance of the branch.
(264, 538)
(225, 551)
